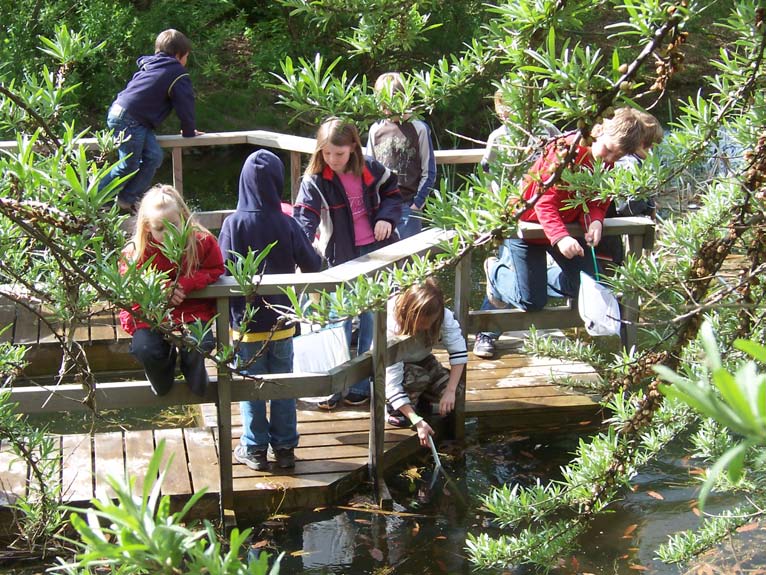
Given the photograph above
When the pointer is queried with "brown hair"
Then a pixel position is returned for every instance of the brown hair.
(172, 42)
(625, 127)
(391, 82)
(418, 305)
(166, 200)
(651, 130)
(337, 132)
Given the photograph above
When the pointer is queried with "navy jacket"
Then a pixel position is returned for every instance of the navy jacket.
(160, 85)
(257, 222)
(322, 204)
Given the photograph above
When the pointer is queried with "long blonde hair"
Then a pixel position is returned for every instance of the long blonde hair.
(420, 310)
(167, 200)
(337, 132)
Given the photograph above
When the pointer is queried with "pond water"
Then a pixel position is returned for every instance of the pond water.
(426, 534)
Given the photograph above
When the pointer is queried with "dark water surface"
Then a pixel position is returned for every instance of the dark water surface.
(431, 539)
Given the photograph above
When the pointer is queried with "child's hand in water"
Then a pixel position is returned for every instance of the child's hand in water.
(447, 402)
(382, 230)
(424, 430)
(177, 297)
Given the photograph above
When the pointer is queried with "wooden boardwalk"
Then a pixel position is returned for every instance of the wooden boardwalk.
(513, 391)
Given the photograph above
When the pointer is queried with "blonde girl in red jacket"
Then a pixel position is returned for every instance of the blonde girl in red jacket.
(202, 264)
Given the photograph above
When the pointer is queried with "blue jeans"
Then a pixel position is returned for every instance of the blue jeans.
(139, 155)
(521, 277)
(258, 432)
(410, 224)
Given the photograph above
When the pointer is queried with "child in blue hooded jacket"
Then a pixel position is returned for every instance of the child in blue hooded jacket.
(266, 343)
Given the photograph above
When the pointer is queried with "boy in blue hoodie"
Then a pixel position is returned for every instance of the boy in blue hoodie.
(161, 84)
(266, 343)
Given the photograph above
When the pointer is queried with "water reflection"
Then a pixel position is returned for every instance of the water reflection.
(426, 533)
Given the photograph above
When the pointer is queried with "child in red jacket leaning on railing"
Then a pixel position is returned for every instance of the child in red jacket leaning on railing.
(518, 277)
(201, 265)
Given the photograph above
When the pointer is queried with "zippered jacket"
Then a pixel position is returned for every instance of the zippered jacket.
(322, 206)
(551, 210)
(191, 309)
(160, 85)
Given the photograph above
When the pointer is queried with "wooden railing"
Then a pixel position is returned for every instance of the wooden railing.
(296, 145)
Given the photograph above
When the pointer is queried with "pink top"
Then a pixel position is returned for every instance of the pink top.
(352, 185)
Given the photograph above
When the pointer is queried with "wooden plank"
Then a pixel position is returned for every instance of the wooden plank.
(376, 443)
(514, 394)
(25, 326)
(213, 220)
(504, 375)
(7, 318)
(203, 459)
(533, 382)
(177, 480)
(282, 483)
(13, 475)
(54, 460)
(47, 336)
(295, 175)
(630, 225)
(139, 448)
(223, 403)
(517, 320)
(102, 328)
(178, 169)
(525, 404)
(391, 256)
(109, 460)
(303, 468)
(460, 156)
(76, 468)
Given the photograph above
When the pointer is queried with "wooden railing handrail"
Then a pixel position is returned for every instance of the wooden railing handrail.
(138, 394)
(382, 259)
(268, 139)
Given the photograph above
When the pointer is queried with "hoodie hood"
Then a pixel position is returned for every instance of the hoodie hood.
(261, 182)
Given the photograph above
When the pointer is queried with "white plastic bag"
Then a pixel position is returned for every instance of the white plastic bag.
(598, 307)
(320, 351)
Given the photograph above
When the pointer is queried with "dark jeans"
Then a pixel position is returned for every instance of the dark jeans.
(280, 429)
(521, 277)
(140, 154)
(410, 223)
(158, 356)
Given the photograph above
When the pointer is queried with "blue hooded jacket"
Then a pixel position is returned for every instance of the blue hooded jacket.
(257, 222)
(160, 85)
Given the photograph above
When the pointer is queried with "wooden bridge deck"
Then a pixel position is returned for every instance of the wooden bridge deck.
(513, 391)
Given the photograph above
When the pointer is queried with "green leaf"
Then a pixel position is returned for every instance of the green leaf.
(733, 456)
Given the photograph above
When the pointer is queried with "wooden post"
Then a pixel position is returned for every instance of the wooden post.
(178, 170)
(226, 500)
(629, 303)
(462, 295)
(295, 175)
(378, 410)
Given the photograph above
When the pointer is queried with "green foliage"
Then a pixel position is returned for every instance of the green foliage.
(40, 517)
(383, 30)
(136, 534)
(737, 401)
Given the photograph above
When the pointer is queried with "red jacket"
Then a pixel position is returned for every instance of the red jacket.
(191, 309)
(548, 210)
